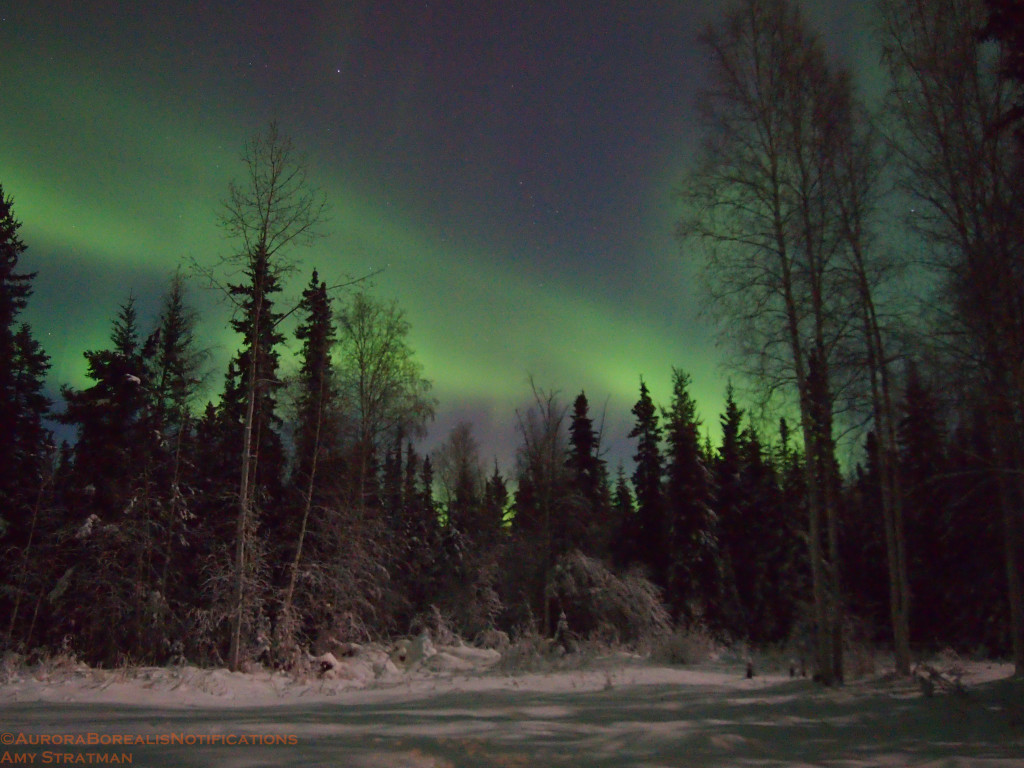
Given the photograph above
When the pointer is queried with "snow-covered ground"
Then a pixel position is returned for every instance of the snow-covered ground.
(458, 707)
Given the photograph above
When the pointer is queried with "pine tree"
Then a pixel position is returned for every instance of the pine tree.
(694, 573)
(495, 504)
(863, 543)
(313, 439)
(587, 523)
(923, 467)
(273, 208)
(793, 509)
(767, 563)
(25, 446)
(173, 361)
(727, 490)
(28, 445)
(316, 391)
(26, 450)
(391, 480)
(257, 362)
(978, 613)
(164, 491)
(624, 546)
(111, 556)
(652, 535)
(109, 448)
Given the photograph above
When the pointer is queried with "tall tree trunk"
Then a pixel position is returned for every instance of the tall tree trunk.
(25, 554)
(288, 629)
(890, 486)
(1011, 553)
(824, 521)
(1011, 496)
(245, 491)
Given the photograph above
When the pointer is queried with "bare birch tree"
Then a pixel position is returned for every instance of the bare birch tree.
(272, 208)
(854, 171)
(543, 482)
(756, 206)
(949, 105)
(380, 381)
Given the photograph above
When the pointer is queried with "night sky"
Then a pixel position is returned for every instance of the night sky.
(510, 165)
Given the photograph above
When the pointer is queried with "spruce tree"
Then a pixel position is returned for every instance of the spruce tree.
(26, 452)
(109, 449)
(495, 503)
(727, 469)
(766, 560)
(23, 368)
(165, 490)
(273, 208)
(316, 391)
(652, 526)
(624, 546)
(587, 526)
(863, 547)
(922, 460)
(694, 575)
(111, 556)
(256, 365)
(314, 444)
(978, 613)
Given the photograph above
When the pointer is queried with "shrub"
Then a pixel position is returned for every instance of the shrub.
(603, 606)
(690, 646)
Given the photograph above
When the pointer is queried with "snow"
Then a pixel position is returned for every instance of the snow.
(420, 705)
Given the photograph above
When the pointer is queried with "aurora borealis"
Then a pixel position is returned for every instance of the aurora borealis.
(510, 165)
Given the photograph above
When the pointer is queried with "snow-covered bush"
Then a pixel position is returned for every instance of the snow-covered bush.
(599, 604)
(527, 653)
(684, 646)
(435, 625)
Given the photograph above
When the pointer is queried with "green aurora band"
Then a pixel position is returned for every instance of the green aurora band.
(116, 191)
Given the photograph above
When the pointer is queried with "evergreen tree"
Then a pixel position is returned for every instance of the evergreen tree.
(216, 481)
(793, 508)
(164, 491)
(729, 504)
(314, 447)
(256, 365)
(767, 563)
(25, 446)
(495, 503)
(923, 467)
(587, 524)
(864, 546)
(652, 533)
(977, 611)
(173, 362)
(110, 558)
(26, 450)
(624, 546)
(391, 481)
(109, 449)
(316, 397)
(461, 482)
(272, 209)
(415, 532)
(694, 568)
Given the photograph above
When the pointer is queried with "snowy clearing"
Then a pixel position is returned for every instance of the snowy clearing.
(616, 711)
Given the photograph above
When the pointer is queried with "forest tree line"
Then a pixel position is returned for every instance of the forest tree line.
(296, 506)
